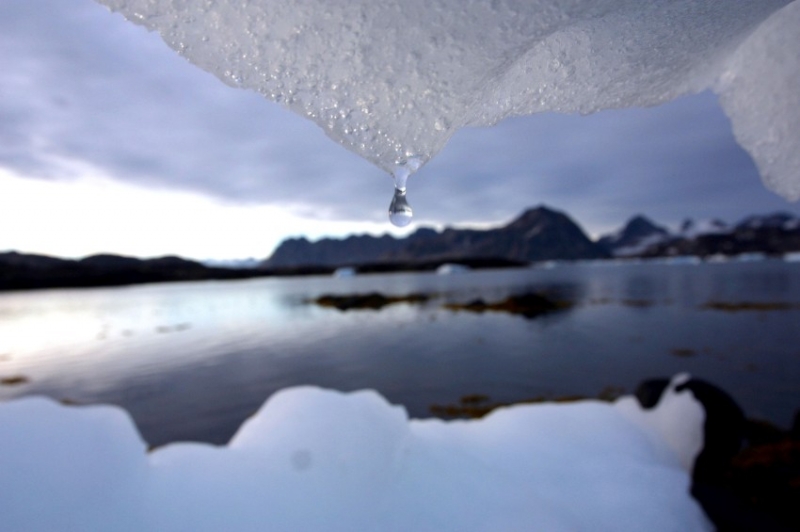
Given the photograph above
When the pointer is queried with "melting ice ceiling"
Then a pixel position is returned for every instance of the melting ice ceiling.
(393, 80)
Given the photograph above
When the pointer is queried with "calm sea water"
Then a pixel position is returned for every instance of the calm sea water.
(191, 361)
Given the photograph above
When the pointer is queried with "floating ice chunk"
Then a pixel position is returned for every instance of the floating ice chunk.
(314, 459)
(394, 80)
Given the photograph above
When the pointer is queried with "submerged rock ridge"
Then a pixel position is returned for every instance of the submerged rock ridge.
(393, 81)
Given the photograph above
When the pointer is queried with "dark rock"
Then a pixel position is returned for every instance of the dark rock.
(649, 392)
(530, 305)
(723, 430)
(370, 301)
(752, 488)
(14, 381)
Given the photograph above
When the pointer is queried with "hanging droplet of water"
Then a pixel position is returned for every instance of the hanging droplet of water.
(400, 212)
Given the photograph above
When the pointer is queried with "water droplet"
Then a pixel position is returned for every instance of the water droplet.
(400, 212)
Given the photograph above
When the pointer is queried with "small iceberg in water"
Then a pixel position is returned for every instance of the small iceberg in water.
(345, 272)
(450, 268)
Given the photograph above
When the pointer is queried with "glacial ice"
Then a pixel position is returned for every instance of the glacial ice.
(393, 80)
(313, 459)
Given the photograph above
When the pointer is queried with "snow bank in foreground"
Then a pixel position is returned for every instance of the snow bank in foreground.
(314, 459)
(393, 80)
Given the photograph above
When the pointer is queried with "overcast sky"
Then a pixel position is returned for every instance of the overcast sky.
(111, 142)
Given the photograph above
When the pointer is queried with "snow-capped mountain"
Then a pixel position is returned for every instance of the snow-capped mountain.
(694, 228)
(770, 234)
(778, 220)
(634, 238)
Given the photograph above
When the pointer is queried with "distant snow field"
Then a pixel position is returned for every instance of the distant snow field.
(314, 459)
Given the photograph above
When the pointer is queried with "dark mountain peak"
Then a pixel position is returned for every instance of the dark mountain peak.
(691, 228)
(331, 252)
(539, 233)
(362, 237)
(423, 232)
(637, 228)
(110, 262)
(536, 216)
(640, 225)
(31, 260)
(173, 261)
(636, 236)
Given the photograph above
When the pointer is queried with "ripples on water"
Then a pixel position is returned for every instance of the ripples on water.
(190, 361)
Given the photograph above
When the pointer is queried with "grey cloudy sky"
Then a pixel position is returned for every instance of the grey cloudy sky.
(84, 92)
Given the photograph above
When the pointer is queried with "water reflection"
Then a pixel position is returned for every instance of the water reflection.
(191, 361)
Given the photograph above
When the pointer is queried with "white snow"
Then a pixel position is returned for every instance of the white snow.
(314, 459)
(345, 271)
(695, 228)
(393, 80)
(641, 245)
(449, 269)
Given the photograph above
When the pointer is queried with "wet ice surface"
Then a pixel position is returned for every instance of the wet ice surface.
(393, 81)
(314, 459)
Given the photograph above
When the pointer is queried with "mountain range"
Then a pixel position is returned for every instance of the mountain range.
(772, 234)
(543, 234)
(538, 234)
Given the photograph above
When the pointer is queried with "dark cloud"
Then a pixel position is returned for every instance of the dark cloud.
(80, 85)
(83, 85)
